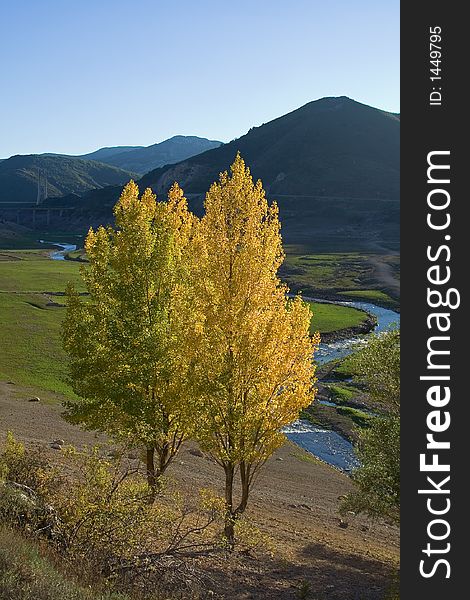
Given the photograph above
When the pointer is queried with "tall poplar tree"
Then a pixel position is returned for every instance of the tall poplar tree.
(253, 350)
(124, 339)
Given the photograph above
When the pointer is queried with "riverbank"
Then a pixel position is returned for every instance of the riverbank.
(340, 405)
(368, 325)
(375, 297)
(371, 276)
(344, 420)
(328, 322)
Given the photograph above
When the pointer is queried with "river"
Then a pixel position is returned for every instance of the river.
(59, 254)
(325, 444)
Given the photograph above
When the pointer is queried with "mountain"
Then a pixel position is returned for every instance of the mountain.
(333, 166)
(329, 147)
(19, 176)
(143, 159)
(98, 155)
(103, 154)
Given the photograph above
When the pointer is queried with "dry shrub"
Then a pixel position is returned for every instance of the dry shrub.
(99, 514)
(249, 538)
(25, 482)
(30, 572)
(100, 518)
(26, 467)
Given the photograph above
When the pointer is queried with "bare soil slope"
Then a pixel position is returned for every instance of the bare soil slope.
(295, 502)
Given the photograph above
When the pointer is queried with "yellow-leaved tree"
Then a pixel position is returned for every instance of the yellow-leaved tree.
(253, 349)
(124, 338)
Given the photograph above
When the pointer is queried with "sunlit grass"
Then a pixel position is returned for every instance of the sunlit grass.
(31, 352)
(332, 317)
(30, 347)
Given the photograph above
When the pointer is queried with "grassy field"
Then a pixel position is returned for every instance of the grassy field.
(16, 237)
(374, 296)
(30, 348)
(342, 394)
(323, 271)
(351, 274)
(332, 317)
(33, 271)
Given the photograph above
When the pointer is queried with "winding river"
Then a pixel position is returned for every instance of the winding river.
(59, 254)
(325, 444)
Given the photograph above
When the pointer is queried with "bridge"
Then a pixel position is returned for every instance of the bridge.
(32, 214)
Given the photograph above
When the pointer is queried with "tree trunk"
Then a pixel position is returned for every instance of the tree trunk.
(229, 529)
(164, 458)
(151, 473)
(245, 481)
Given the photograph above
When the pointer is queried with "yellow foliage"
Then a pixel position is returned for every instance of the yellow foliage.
(103, 508)
(124, 341)
(189, 331)
(253, 352)
(28, 468)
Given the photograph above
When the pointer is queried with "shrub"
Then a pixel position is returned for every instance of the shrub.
(377, 491)
(106, 511)
(25, 479)
(28, 468)
(27, 573)
(103, 517)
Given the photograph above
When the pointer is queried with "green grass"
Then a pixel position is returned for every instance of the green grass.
(30, 347)
(331, 317)
(31, 572)
(359, 417)
(344, 420)
(375, 296)
(344, 369)
(17, 238)
(329, 272)
(11, 239)
(342, 394)
(32, 271)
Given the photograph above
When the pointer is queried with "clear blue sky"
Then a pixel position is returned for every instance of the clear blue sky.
(77, 75)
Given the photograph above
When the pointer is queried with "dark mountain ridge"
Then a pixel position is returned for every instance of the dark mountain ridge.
(332, 166)
(329, 147)
(19, 176)
(142, 159)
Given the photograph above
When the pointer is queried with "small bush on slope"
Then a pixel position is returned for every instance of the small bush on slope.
(27, 573)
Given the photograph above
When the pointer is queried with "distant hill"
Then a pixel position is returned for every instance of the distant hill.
(332, 146)
(332, 165)
(143, 159)
(19, 175)
(103, 154)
